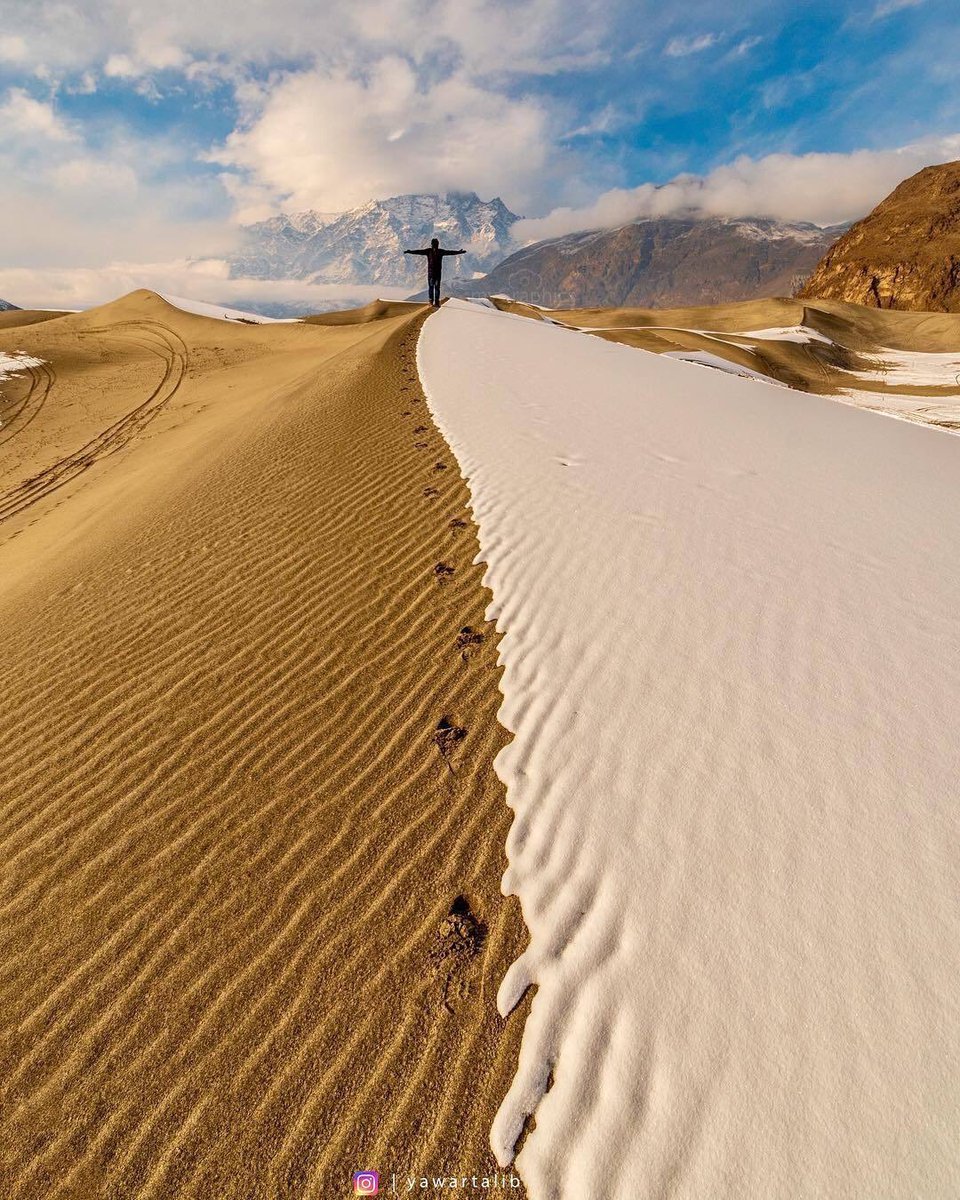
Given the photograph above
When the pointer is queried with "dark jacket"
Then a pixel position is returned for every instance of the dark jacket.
(435, 256)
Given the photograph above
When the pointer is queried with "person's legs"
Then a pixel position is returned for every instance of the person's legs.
(434, 286)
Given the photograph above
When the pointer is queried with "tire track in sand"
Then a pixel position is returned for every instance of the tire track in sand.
(151, 336)
(42, 379)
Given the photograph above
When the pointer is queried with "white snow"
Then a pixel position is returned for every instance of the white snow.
(787, 333)
(731, 620)
(705, 359)
(912, 368)
(11, 364)
(925, 409)
(201, 309)
(784, 333)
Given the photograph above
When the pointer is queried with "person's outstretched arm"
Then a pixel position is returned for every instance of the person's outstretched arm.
(446, 252)
(415, 251)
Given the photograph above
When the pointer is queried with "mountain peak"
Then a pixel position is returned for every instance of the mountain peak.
(366, 243)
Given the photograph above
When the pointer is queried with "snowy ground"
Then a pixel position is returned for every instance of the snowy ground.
(13, 364)
(908, 368)
(731, 618)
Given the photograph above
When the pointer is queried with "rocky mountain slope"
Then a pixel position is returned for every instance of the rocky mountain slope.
(905, 254)
(366, 244)
(6, 306)
(660, 262)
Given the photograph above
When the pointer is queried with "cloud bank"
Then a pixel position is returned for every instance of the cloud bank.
(209, 280)
(822, 188)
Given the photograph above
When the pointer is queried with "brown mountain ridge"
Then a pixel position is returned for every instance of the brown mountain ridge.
(660, 262)
(905, 254)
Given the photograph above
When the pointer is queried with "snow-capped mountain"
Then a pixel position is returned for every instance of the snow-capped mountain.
(366, 244)
(6, 306)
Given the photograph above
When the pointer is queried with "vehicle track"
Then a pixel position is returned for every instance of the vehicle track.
(152, 336)
(42, 379)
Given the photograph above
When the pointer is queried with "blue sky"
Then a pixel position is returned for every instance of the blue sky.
(147, 133)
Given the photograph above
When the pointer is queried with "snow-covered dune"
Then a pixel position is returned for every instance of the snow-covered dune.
(201, 308)
(731, 618)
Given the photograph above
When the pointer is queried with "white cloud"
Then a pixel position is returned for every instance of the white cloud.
(745, 46)
(23, 117)
(70, 288)
(383, 133)
(481, 36)
(95, 179)
(120, 66)
(67, 202)
(680, 47)
(12, 49)
(822, 188)
(886, 7)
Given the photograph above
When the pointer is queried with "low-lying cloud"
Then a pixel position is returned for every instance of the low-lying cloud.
(208, 280)
(822, 188)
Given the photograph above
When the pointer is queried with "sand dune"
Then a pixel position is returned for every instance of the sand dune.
(849, 352)
(15, 318)
(252, 927)
(376, 310)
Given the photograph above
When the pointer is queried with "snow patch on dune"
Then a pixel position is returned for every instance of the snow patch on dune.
(731, 651)
(802, 334)
(912, 368)
(13, 365)
(705, 359)
(218, 311)
(16, 363)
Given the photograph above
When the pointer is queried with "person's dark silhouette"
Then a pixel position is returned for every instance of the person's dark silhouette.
(434, 256)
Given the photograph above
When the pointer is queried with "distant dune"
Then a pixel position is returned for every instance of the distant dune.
(907, 364)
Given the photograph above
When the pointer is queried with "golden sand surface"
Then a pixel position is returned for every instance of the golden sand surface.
(251, 836)
(11, 318)
(856, 333)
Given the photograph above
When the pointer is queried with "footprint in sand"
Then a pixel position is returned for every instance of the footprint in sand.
(431, 492)
(421, 445)
(443, 571)
(459, 935)
(440, 466)
(467, 639)
(468, 636)
(459, 940)
(457, 524)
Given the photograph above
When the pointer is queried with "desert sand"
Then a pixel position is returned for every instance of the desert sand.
(252, 839)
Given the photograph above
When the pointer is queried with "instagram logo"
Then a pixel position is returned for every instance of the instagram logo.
(366, 1183)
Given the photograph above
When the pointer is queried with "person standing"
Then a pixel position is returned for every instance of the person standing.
(434, 256)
